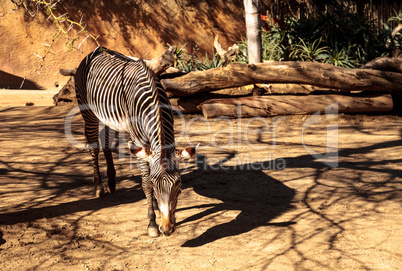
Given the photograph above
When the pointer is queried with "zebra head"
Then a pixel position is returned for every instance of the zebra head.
(166, 181)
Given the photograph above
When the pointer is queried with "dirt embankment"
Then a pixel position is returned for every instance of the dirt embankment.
(137, 28)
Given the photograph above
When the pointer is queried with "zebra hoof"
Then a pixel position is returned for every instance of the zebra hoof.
(99, 192)
(153, 232)
(111, 188)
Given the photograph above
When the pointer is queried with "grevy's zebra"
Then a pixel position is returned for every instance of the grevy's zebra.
(125, 95)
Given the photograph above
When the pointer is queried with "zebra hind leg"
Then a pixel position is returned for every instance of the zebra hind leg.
(92, 136)
(94, 150)
(107, 151)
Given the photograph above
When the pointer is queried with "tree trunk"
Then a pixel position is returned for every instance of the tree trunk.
(317, 74)
(253, 25)
(272, 105)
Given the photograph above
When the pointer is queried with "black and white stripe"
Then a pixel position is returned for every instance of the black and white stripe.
(124, 94)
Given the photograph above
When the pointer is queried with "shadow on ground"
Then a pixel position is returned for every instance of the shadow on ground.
(245, 188)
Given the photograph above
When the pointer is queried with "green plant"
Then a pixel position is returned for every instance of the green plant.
(272, 44)
(338, 35)
(214, 62)
(280, 42)
(340, 58)
(242, 56)
(184, 61)
(396, 40)
(397, 18)
(310, 51)
(178, 54)
(188, 62)
(276, 43)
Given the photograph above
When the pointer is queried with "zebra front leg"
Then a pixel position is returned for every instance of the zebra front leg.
(153, 230)
(106, 146)
(156, 207)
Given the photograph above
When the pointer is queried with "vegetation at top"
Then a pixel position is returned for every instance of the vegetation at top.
(190, 61)
(337, 36)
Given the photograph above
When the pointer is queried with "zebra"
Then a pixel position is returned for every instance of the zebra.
(124, 94)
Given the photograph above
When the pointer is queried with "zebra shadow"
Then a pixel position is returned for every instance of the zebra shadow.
(245, 188)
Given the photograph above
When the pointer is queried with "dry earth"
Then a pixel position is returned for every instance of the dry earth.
(255, 198)
(139, 28)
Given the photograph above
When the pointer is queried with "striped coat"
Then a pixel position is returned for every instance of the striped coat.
(125, 95)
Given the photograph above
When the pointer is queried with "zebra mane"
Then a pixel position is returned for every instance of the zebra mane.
(159, 118)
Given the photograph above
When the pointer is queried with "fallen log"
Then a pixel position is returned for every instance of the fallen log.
(67, 92)
(161, 63)
(237, 91)
(384, 64)
(192, 104)
(317, 74)
(68, 72)
(187, 106)
(283, 88)
(277, 88)
(273, 105)
(226, 56)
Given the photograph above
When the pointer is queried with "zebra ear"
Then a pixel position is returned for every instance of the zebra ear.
(187, 153)
(138, 151)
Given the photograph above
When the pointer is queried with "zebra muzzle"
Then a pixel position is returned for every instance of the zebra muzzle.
(166, 227)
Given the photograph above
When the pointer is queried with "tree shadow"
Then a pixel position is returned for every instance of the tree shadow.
(158, 21)
(245, 188)
(351, 184)
(11, 81)
(261, 198)
(46, 169)
(125, 196)
(2, 241)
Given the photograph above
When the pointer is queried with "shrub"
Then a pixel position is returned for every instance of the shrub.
(190, 61)
(338, 36)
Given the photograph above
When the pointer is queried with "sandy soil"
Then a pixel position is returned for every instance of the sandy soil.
(255, 198)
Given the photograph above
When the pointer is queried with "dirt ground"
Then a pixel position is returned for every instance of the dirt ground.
(263, 194)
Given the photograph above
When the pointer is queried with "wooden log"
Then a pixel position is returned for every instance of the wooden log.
(290, 88)
(284, 88)
(187, 106)
(226, 56)
(384, 64)
(317, 74)
(68, 72)
(273, 105)
(67, 93)
(192, 104)
(237, 91)
(161, 63)
(278, 88)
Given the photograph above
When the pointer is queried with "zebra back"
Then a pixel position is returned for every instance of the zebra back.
(126, 95)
